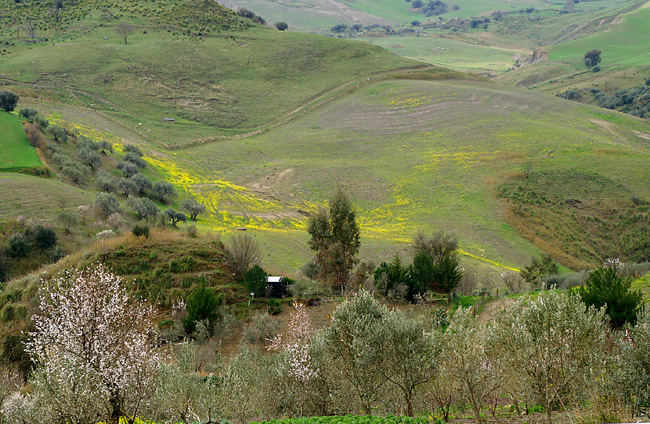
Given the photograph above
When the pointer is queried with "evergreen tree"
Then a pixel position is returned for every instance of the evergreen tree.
(604, 288)
(335, 240)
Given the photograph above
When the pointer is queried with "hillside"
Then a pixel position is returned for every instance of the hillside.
(416, 148)
(15, 151)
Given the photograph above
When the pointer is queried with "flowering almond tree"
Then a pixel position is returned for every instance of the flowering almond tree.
(296, 343)
(91, 334)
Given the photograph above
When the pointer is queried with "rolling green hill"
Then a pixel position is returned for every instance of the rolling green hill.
(268, 123)
(15, 151)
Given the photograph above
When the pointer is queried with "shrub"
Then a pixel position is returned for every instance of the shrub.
(130, 148)
(76, 172)
(274, 307)
(127, 187)
(282, 26)
(105, 181)
(8, 100)
(57, 133)
(192, 231)
(604, 288)
(255, 280)
(28, 114)
(89, 157)
(107, 203)
(105, 235)
(18, 246)
(33, 134)
(44, 238)
(141, 230)
(592, 58)
(104, 146)
(164, 191)
(141, 182)
(127, 168)
(306, 289)
(193, 208)
(202, 305)
(144, 208)
(261, 328)
(135, 159)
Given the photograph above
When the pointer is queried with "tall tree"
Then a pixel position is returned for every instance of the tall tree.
(335, 240)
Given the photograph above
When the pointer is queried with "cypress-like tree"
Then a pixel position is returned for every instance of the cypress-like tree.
(335, 240)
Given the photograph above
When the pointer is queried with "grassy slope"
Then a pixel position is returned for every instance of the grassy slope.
(15, 150)
(210, 87)
(33, 197)
(412, 159)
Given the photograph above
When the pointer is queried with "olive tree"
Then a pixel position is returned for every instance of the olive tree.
(193, 208)
(350, 344)
(476, 369)
(555, 343)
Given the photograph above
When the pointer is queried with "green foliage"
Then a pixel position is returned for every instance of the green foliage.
(335, 240)
(28, 114)
(604, 288)
(193, 208)
(174, 217)
(8, 100)
(282, 26)
(202, 305)
(141, 230)
(592, 58)
(274, 307)
(107, 203)
(447, 273)
(164, 191)
(539, 268)
(389, 276)
(144, 208)
(255, 279)
(57, 133)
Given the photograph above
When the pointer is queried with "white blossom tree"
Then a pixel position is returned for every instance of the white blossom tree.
(97, 341)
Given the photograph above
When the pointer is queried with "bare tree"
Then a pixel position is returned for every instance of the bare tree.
(124, 29)
(95, 342)
(245, 253)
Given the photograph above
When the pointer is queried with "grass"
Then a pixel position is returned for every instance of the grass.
(619, 48)
(223, 77)
(37, 198)
(15, 151)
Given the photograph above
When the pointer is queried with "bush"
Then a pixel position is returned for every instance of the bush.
(275, 307)
(44, 238)
(174, 217)
(130, 148)
(307, 290)
(142, 183)
(604, 288)
(282, 26)
(244, 253)
(127, 187)
(202, 305)
(107, 203)
(255, 280)
(76, 172)
(144, 208)
(18, 246)
(127, 168)
(57, 133)
(141, 230)
(89, 157)
(106, 181)
(164, 191)
(33, 134)
(261, 328)
(28, 114)
(135, 159)
(193, 208)
(8, 100)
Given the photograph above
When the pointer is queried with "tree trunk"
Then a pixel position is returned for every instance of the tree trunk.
(115, 409)
(409, 404)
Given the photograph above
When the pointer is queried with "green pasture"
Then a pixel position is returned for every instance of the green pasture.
(626, 44)
(15, 151)
(451, 53)
(413, 156)
(223, 85)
